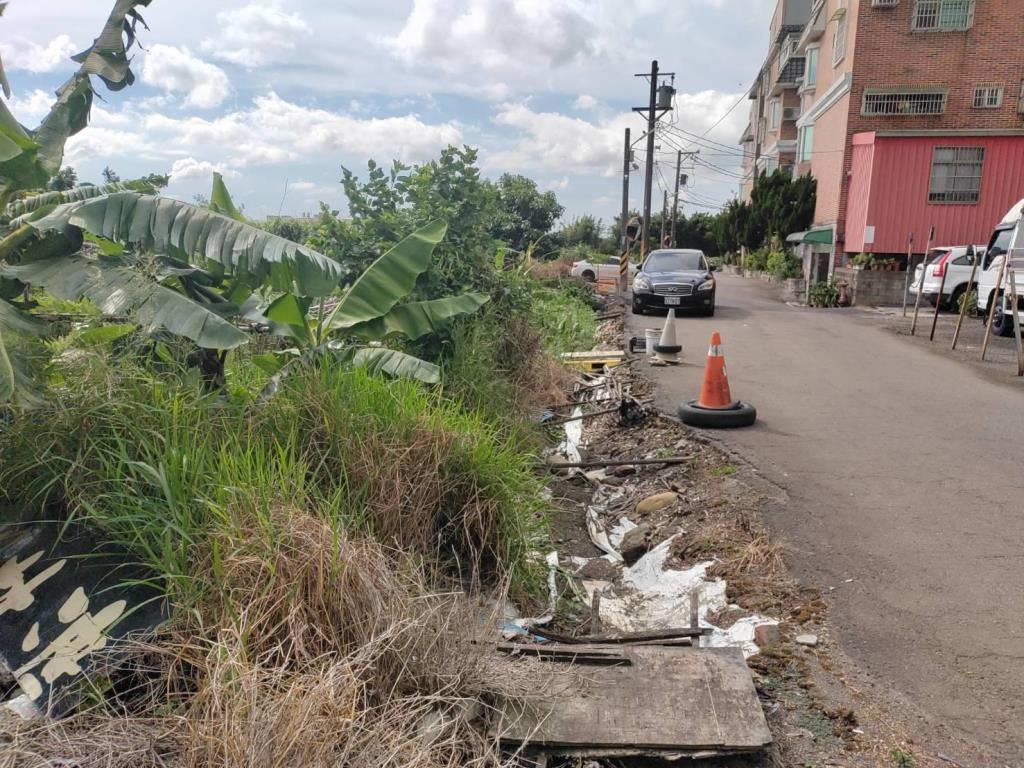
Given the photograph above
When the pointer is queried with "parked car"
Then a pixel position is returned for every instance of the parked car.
(603, 268)
(680, 278)
(1009, 234)
(955, 263)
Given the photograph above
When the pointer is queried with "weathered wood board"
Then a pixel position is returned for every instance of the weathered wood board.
(65, 598)
(673, 699)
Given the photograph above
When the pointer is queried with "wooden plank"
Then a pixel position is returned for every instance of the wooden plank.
(624, 638)
(669, 699)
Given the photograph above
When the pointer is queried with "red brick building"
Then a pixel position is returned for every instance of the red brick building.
(911, 116)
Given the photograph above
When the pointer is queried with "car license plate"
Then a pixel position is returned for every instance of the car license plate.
(671, 301)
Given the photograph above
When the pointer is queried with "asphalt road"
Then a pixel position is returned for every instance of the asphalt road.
(903, 472)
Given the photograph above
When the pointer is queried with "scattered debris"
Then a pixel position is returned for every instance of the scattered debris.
(656, 502)
(635, 544)
(595, 361)
(811, 641)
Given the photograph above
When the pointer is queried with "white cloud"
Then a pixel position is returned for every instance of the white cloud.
(301, 186)
(479, 40)
(177, 70)
(31, 109)
(32, 57)
(255, 35)
(584, 101)
(190, 168)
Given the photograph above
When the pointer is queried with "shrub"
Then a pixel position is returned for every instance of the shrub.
(971, 298)
(757, 260)
(783, 265)
(823, 295)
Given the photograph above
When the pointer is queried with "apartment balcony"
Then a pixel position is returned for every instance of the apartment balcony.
(791, 76)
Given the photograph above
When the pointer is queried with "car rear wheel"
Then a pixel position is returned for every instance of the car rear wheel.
(589, 276)
(1002, 322)
(954, 298)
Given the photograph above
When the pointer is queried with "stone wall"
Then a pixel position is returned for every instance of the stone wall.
(869, 288)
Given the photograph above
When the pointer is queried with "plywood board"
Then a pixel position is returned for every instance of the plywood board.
(668, 699)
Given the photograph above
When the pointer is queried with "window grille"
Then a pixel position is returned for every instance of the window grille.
(943, 15)
(904, 103)
(988, 97)
(956, 174)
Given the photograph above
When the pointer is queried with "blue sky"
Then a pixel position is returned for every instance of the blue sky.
(278, 95)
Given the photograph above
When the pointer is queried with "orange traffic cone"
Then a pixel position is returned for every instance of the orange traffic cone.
(714, 392)
(716, 408)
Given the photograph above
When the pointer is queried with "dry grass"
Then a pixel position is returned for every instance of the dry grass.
(310, 649)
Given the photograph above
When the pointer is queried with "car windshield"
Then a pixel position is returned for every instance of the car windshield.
(675, 261)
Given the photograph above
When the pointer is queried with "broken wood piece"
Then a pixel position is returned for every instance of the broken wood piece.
(622, 638)
(670, 699)
(577, 654)
(594, 463)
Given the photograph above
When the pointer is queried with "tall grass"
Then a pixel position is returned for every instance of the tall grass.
(159, 467)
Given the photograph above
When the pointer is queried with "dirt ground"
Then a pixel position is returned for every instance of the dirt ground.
(819, 711)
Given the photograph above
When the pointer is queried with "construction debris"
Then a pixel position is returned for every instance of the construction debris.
(665, 702)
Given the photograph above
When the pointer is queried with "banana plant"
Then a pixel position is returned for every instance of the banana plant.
(351, 328)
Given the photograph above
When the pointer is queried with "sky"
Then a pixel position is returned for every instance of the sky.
(278, 95)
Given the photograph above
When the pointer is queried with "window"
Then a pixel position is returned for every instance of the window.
(811, 72)
(805, 147)
(770, 164)
(956, 174)
(943, 15)
(839, 36)
(774, 115)
(904, 103)
(988, 97)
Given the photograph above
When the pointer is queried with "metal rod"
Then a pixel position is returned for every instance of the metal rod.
(619, 463)
(966, 297)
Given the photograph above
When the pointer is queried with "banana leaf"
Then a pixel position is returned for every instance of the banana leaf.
(34, 203)
(163, 225)
(418, 318)
(220, 199)
(118, 289)
(389, 279)
(378, 360)
(16, 387)
(107, 57)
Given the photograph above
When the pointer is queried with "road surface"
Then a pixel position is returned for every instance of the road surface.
(903, 472)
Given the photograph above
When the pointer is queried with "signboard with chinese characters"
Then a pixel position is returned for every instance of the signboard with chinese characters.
(65, 598)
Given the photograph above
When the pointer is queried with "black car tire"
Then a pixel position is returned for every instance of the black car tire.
(954, 298)
(740, 415)
(1002, 322)
(638, 309)
(589, 276)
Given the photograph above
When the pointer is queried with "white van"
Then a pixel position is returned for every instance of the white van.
(1008, 234)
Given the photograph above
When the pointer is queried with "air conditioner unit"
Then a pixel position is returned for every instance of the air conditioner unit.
(884, 3)
(791, 113)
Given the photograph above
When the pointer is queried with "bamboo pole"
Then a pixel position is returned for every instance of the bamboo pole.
(938, 300)
(996, 296)
(966, 297)
(1016, 320)
(910, 268)
(920, 288)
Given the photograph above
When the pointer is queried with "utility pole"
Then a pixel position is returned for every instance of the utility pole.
(679, 173)
(623, 257)
(675, 201)
(664, 218)
(652, 110)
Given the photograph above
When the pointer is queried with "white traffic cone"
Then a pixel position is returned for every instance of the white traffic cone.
(667, 350)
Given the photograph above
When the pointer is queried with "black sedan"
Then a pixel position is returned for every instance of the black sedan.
(676, 278)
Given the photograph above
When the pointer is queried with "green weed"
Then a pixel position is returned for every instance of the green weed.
(724, 470)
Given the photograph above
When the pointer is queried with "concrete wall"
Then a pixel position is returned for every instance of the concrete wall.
(868, 288)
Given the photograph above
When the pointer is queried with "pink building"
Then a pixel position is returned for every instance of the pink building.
(911, 115)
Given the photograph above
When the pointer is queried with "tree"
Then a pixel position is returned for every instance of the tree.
(65, 179)
(583, 231)
(110, 175)
(524, 213)
(779, 206)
